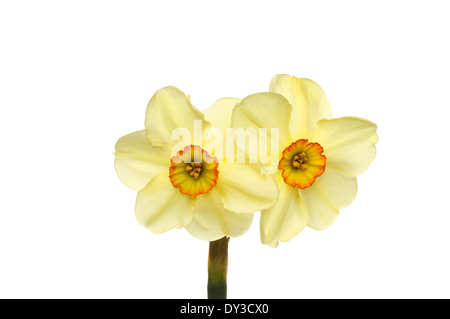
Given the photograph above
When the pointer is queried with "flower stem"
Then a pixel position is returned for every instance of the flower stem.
(217, 268)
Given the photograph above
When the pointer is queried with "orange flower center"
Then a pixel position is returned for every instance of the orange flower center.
(302, 163)
(193, 171)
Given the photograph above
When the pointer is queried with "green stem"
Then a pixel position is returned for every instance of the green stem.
(217, 268)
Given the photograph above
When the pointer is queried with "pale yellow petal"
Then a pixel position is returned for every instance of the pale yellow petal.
(213, 221)
(161, 207)
(168, 110)
(309, 103)
(285, 219)
(219, 114)
(264, 115)
(244, 189)
(330, 192)
(348, 143)
(137, 161)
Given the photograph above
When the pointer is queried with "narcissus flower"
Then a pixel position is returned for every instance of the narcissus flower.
(320, 156)
(190, 187)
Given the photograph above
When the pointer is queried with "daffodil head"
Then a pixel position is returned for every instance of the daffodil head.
(302, 163)
(318, 157)
(178, 180)
(193, 171)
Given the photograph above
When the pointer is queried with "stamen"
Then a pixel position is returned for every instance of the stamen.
(194, 169)
(299, 161)
(296, 164)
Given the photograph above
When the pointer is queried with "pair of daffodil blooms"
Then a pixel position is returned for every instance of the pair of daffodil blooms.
(213, 197)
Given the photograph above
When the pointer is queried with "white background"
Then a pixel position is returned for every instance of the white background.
(77, 75)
